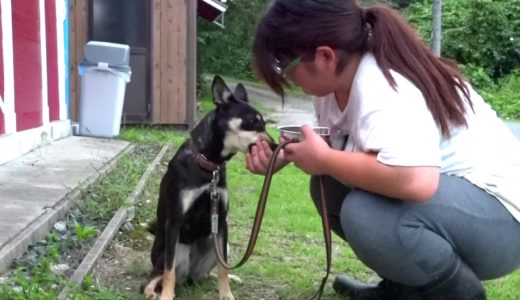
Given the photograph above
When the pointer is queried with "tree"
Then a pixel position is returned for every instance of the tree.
(437, 26)
(475, 33)
(227, 50)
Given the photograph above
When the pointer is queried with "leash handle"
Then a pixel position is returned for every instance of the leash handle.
(258, 217)
(258, 223)
(326, 235)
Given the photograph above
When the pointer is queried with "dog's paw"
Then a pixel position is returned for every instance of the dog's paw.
(226, 296)
(235, 278)
(166, 297)
(151, 296)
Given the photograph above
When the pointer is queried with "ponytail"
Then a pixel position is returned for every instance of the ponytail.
(396, 46)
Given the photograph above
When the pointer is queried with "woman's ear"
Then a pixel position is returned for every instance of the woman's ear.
(326, 58)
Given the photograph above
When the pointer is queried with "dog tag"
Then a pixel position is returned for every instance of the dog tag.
(214, 223)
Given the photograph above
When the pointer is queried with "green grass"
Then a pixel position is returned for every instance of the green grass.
(97, 205)
(289, 258)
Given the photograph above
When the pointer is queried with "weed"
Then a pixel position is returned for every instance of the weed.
(84, 232)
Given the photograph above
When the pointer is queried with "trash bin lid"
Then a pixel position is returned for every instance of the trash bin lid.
(110, 53)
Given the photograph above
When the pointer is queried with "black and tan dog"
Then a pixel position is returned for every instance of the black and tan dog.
(183, 249)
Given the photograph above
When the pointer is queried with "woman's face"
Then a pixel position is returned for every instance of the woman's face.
(318, 77)
(311, 78)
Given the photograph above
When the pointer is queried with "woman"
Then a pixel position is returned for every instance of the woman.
(426, 190)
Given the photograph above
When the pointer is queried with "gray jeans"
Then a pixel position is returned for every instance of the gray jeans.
(412, 243)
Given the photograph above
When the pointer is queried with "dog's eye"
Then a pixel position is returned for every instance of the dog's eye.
(251, 122)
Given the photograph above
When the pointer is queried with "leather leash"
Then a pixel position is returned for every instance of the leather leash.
(258, 221)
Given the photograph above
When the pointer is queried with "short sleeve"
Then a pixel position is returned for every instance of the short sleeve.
(400, 128)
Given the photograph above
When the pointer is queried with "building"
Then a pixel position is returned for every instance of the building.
(42, 45)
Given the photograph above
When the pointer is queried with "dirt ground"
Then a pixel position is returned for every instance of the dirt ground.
(126, 263)
(125, 269)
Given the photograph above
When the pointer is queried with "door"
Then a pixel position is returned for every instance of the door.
(127, 22)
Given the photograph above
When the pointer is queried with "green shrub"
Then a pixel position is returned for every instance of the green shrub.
(474, 32)
(478, 77)
(505, 98)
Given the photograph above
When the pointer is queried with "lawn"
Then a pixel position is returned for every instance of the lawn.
(288, 261)
(289, 258)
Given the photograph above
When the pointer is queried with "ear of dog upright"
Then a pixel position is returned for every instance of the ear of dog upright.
(182, 250)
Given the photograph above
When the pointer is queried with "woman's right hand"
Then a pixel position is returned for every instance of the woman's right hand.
(259, 156)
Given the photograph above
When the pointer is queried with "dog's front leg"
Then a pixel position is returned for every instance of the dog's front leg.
(168, 280)
(224, 291)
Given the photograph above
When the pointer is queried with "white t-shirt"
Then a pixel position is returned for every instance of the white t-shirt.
(400, 128)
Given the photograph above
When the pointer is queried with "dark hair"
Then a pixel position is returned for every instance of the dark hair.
(291, 28)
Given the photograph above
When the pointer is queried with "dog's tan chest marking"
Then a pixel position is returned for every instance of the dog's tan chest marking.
(188, 196)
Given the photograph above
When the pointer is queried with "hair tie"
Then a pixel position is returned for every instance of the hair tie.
(368, 28)
(363, 15)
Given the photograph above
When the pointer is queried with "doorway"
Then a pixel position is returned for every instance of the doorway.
(127, 22)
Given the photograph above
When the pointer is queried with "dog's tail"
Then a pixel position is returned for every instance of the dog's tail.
(151, 226)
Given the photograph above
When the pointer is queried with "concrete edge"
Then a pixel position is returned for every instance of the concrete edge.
(20, 143)
(123, 214)
(41, 226)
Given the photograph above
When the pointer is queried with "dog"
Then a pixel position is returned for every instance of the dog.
(183, 248)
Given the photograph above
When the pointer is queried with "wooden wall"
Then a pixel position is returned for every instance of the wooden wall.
(173, 75)
(27, 64)
(2, 118)
(78, 26)
(53, 82)
(169, 71)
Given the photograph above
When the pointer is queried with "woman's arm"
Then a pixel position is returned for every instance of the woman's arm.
(363, 170)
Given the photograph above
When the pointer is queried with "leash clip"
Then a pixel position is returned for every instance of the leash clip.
(214, 195)
(213, 185)
(214, 223)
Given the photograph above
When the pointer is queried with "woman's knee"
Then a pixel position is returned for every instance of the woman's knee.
(366, 221)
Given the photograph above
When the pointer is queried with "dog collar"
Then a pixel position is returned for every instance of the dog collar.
(202, 160)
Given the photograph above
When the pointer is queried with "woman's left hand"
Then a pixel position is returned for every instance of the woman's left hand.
(310, 153)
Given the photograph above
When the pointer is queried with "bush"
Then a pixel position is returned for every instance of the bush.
(477, 76)
(505, 98)
(474, 32)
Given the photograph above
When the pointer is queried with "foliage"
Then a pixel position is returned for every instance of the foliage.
(84, 232)
(227, 51)
(478, 77)
(483, 36)
(505, 98)
(474, 32)
(32, 275)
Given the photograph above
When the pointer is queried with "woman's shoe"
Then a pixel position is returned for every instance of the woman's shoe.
(458, 283)
(385, 290)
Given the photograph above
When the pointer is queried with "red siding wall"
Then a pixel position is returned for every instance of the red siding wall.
(52, 60)
(27, 64)
(2, 123)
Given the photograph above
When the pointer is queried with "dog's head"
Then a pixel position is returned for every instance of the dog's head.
(241, 124)
(235, 124)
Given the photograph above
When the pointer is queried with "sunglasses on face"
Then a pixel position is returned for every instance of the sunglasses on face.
(284, 71)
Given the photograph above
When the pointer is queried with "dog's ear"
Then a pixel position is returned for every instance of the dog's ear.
(240, 93)
(221, 92)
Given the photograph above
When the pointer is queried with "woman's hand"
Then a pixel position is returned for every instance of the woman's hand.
(258, 158)
(308, 154)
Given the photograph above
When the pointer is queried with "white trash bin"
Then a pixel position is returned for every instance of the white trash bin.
(104, 74)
